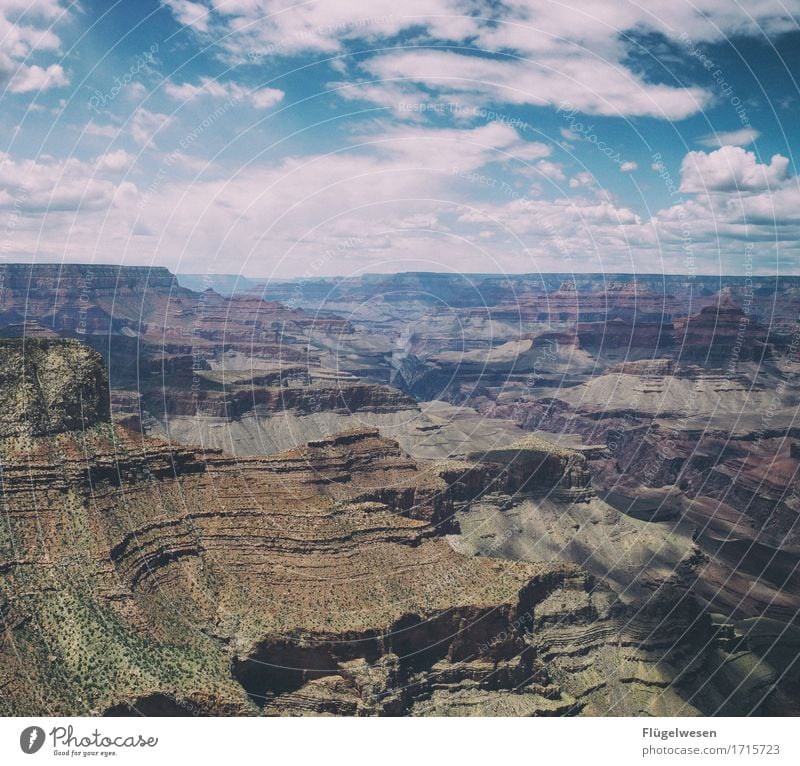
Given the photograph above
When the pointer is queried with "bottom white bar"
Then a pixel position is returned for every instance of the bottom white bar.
(591, 741)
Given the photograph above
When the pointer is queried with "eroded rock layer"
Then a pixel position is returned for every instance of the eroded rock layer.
(141, 578)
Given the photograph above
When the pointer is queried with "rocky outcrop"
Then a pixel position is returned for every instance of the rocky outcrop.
(144, 322)
(722, 335)
(149, 570)
(627, 336)
(49, 386)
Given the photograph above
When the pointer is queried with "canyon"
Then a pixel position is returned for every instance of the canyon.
(413, 494)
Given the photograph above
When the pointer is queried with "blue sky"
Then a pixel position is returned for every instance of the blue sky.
(277, 138)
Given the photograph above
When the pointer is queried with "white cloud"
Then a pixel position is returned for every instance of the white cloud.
(409, 194)
(775, 209)
(551, 170)
(26, 34)
(582, 179)
(582, 83)
(262, 98)
(741, 137)
(408, 197)
(49, 185)
(104, 131)
(36, 78)
(568, 51)
(629, 166)
(195, 15)
(731, 169)
(144, 125)
(115, 162)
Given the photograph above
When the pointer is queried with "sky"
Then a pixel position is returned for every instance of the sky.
(274, 138)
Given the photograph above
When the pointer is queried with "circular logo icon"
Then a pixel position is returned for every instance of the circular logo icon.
(31, 739)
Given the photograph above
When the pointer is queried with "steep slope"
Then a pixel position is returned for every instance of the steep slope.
(135, 577)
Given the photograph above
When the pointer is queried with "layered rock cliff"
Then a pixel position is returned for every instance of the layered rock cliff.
(139, 577)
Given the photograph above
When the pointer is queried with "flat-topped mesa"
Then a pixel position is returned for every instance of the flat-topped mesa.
(65, 277)
(722, 334)
(626, 335)
(50, 386)
(643, 367)
(235, 402)
(538, 467)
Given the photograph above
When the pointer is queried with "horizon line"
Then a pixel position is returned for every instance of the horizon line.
(306, 277)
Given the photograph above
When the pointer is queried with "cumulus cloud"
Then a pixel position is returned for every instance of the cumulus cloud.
(775, 210)
(450, 196)
(26, 32)
(741, 137)
(261, 98)
(35, 78)
(582, 179)
(51, 185)
(407, 197)
(115, 162)
(145, 125)
(731, 169)
(628, 167)
(552, 170)
(195, 15)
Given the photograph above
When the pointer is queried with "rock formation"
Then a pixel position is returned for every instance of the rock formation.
(138, 577)
(48, 386)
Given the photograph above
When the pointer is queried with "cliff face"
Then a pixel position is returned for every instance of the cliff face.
(87, 299)
(234, 402)
(135, 575)
(137, 314)
(722, 335)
